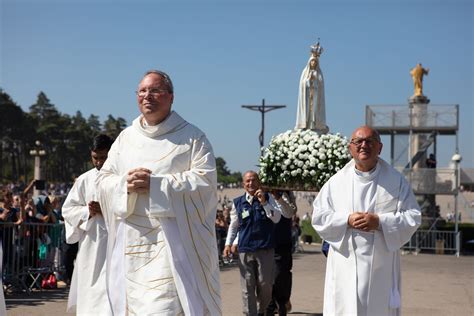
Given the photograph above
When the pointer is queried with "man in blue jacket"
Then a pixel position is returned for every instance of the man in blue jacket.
(254, 216)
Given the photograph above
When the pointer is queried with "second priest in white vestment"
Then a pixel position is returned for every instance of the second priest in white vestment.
(88, 294)
(366, 212)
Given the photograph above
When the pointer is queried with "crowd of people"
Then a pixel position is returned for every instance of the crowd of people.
(32, 237)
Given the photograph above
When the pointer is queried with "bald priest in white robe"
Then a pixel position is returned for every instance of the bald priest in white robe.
(366, 212)
(85, 224)
(158, 191)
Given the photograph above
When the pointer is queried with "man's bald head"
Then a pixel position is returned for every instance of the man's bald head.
(365, 147)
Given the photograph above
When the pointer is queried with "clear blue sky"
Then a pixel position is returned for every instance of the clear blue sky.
(90, 55)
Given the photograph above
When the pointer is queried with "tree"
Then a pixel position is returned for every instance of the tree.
(221, 167)
(113, 127)
(43, 109)
(14, 130)
(66, 139)
(94, 124)
(224, 176)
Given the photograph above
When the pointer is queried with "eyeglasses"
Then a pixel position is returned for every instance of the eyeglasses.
(368, 141)
(153, 92)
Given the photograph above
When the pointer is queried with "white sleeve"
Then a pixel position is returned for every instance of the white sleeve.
(287, 207)
(399, 226)
(330, 225)
(199, 180)
(272, 210)
(233, 226)
(76, 212)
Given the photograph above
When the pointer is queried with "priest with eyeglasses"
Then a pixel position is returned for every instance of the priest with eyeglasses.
(366, 212)
(158, 194)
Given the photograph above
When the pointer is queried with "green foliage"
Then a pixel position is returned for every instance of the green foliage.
(308, 230)
(224, 176)
(113, 127)
(66, 139)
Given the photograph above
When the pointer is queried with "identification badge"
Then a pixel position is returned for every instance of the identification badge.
(245, 214)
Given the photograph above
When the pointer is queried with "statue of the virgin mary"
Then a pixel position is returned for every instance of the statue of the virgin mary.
(311, 113)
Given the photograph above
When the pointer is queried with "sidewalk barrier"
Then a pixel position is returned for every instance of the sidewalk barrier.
(436, 241)
(31, 253)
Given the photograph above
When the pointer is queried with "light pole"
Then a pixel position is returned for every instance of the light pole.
(456, 159)
(37, 152)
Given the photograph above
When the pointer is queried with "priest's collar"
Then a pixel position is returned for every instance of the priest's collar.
(367, 175)
(172, 123)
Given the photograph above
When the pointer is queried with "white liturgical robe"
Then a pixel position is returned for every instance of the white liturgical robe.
(88, 286)
(363, 268)
(162, 252)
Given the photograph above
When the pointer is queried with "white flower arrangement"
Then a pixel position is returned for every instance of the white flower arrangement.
(302, 159)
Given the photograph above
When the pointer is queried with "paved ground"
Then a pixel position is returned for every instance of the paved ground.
(433, 285)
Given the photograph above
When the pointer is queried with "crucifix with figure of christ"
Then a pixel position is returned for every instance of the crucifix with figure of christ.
(263, 109)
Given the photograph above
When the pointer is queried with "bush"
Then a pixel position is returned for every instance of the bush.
(308, 230)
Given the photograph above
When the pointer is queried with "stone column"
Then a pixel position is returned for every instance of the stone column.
(423, 178)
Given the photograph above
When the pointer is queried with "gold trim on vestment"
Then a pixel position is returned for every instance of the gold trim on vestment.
(150, 260)
(177, 182)
(141, 245)
(168, 154)
(199, 215)
(153, 288)
(209, 287)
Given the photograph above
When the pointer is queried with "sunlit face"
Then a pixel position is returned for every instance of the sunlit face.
(365, 148)
(251, 182)
(155, 107)
(16, 201)
(98, 158)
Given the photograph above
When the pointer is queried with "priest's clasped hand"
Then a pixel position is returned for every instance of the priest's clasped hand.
(138, 180)
(363, 221)
(94, 208)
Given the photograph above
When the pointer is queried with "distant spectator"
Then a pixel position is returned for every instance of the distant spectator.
(226, 214)
(295, 233)
(431, 161)
(8, 213)
(221, 230)
(44, 209)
